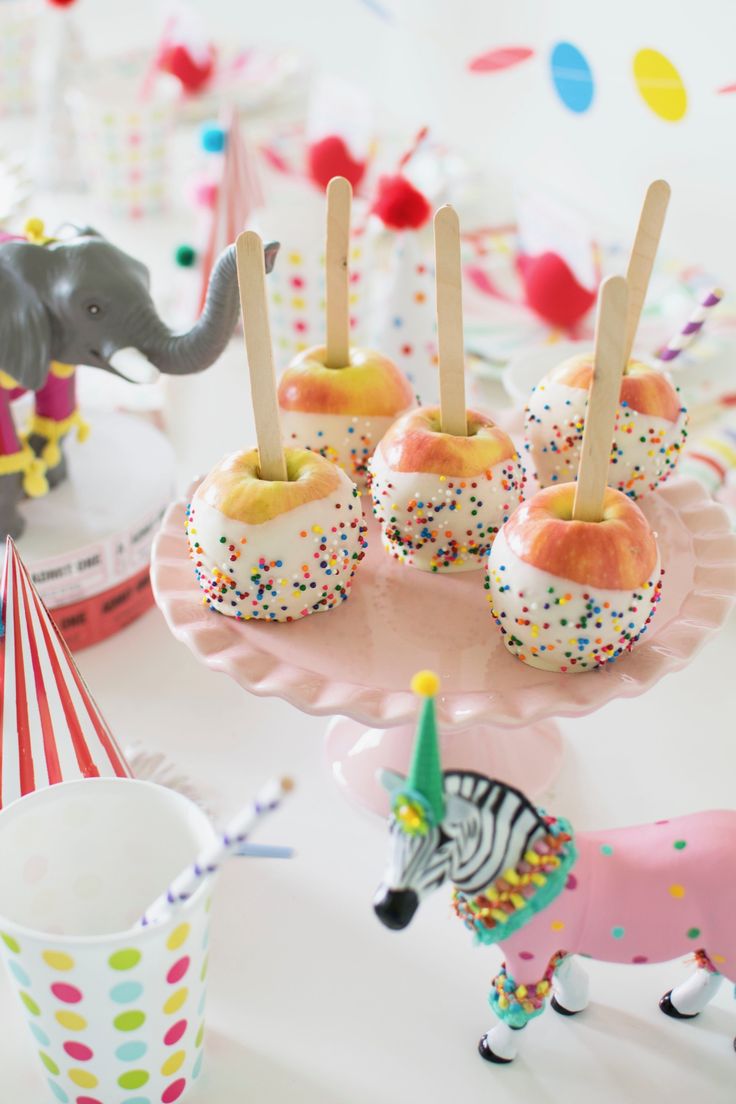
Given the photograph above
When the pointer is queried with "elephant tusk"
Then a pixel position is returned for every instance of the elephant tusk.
(134, 366)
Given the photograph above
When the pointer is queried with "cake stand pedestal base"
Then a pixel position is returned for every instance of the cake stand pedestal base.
(527, 758)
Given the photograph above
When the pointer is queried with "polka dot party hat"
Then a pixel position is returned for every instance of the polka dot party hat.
(50, 727)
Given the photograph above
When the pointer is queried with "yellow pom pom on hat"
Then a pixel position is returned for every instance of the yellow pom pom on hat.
(425, 684)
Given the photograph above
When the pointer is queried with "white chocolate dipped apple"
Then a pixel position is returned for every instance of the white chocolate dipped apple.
(275, 550)
(649, 431)
(440, 499)
(570, 595)
(342, 413)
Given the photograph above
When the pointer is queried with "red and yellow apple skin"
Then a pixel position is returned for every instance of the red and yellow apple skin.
(275, 550)
(649, 432)
(441, 499)
(570, 595)
(342, 413)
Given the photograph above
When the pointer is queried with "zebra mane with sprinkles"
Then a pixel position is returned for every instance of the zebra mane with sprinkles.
(522, 890)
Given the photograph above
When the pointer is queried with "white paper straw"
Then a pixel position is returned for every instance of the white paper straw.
(229, 842)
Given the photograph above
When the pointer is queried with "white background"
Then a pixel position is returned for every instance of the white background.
(513, 122)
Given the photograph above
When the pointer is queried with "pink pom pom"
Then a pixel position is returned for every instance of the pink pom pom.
(205, 193)
(193, 73)
(552, 291)
(331, 157)
(400, 205)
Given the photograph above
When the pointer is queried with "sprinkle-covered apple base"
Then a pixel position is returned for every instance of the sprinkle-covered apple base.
(443, 522)
(298, 563)
(645, 448)
(558, 625)
(349, 440)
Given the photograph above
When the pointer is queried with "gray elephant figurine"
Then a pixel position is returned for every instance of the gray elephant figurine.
(84, 301)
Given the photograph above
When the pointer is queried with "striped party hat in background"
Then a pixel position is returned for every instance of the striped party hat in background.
(50, 728)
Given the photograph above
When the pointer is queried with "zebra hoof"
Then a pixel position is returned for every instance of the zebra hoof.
(669, 1009)
(561, 1008)
(487, 1054)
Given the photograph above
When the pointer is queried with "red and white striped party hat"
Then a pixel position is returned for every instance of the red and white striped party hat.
(239, 192)
(50, 728)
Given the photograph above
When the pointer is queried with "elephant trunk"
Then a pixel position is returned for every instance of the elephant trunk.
(199, 348)
(185, 353)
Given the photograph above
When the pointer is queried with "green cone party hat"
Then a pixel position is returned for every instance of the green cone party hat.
(425, 775)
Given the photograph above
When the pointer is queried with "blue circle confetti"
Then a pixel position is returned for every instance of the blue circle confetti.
(572, 77)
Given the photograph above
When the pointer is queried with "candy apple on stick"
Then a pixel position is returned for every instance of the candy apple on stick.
(444, 479)
(275, 533)
(650, 426)
(337, 399)
(574, 575)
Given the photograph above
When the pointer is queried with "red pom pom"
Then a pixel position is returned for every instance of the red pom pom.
(193, 74)
(331, 157)
(61, 3)
(399, 205)
(552, 290)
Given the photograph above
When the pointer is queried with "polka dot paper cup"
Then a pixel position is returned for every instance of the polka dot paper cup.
(115, 1012)
(124, 139)
(296, 286)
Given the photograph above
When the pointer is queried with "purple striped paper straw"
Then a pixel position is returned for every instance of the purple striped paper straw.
(692, 327)
(229, 842)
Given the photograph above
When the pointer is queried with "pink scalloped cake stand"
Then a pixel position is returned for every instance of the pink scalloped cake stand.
(495, 713)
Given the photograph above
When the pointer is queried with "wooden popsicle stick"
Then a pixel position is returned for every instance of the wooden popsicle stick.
(643, 253)
(603, 400)
(254, 307)
(339, 196)
(448, 284)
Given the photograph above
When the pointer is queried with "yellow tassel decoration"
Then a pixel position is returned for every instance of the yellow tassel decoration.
(54, 432)
(51, 453)
(35, 483)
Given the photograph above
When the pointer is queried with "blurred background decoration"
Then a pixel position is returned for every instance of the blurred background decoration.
(169, 126)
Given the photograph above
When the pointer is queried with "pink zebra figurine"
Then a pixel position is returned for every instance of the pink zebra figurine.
(524, 880)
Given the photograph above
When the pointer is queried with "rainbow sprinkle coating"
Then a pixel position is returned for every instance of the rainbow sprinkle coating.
(444, 523)
(644, 452)
(348, 440)
(312, 573)
(560, 625)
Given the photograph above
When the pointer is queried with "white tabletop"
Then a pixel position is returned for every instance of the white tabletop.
(312, 1000)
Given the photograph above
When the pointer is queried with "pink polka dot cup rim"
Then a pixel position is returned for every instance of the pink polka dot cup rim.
(129, 935)
(357, 661)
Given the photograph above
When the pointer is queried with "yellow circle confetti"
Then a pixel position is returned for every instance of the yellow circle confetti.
(660, 85)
